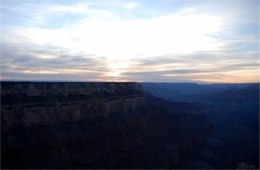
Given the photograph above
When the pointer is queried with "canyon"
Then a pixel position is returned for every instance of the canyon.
(96, 125)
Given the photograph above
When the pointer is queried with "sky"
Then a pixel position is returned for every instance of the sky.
(202, 41)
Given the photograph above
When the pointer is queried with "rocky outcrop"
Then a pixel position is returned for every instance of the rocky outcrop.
(43, 103)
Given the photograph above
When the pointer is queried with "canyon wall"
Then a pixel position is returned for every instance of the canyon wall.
(42, 103)
(79, 125)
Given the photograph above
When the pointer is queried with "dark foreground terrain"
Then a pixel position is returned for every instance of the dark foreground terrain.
(233, 110)
(96, 125)
(118, 125)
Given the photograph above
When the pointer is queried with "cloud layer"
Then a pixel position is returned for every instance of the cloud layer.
(168, 41)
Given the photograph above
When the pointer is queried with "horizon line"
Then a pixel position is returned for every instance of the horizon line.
(82, 81)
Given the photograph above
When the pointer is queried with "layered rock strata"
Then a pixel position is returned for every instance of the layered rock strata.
(43, 103)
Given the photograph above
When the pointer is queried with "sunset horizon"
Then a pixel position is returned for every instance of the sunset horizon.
(140, 41)
(130, 84)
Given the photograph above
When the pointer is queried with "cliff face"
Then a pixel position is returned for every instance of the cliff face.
(94, 125)
(30, 103)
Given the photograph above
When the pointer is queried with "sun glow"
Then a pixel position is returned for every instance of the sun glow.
(123, 40)
(117, 67)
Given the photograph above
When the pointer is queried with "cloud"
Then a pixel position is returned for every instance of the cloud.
(22, 62)
(49, 76)
(200, 67)
(130, 5)
(101, 40)
(119, 38)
